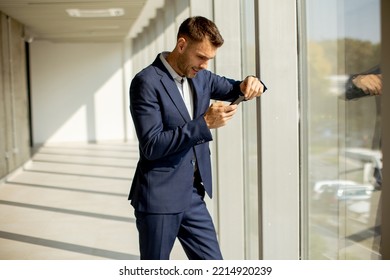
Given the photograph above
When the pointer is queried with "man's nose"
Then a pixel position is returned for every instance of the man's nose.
(204, 65)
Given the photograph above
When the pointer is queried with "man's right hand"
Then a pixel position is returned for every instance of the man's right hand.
(218, 114)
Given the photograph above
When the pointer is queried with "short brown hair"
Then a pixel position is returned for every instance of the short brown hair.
(198, 28)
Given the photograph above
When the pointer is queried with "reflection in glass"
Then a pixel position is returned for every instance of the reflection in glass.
(343, 159)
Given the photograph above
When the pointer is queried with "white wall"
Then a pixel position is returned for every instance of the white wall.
(229, 139)
(279, 186)
(77, 92)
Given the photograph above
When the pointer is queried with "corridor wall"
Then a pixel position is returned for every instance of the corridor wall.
(14, 109)
(78, 92)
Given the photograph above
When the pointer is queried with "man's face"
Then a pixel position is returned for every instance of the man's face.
(194, 56)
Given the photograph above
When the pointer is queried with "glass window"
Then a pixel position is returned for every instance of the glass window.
(341, 145)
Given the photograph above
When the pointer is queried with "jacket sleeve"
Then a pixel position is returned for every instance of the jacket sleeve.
(223, 88)
(352, 91)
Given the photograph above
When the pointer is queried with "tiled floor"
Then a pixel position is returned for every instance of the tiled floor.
(70, 203)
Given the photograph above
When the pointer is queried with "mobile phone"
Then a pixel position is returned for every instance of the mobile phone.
(238, 100)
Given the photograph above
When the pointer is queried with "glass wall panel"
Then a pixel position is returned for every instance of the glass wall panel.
(341, 145)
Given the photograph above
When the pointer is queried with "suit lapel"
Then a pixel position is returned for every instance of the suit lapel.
(173, 92)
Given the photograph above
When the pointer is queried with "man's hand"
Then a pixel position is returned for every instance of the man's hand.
(251, 87)
(371, 84)
(218, 114)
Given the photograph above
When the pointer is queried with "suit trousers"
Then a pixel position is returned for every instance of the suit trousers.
(194, 229)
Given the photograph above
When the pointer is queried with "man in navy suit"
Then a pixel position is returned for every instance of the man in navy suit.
(170, 108)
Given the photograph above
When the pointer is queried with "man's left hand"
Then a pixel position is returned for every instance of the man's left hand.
(251, 87)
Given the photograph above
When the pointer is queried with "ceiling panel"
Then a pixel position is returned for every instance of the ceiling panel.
(49, 20)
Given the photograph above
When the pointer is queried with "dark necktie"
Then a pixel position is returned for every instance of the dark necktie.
(186, 95)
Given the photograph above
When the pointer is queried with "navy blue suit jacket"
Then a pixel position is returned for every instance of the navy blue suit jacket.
(169, 140)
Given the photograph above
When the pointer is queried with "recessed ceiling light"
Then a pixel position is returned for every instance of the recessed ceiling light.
(113, 12)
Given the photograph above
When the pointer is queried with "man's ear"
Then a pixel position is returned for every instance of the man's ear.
(181, 44)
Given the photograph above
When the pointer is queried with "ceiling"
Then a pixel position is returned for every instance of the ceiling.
(49, 19)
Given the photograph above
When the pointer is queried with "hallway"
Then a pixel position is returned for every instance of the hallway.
(70, 203)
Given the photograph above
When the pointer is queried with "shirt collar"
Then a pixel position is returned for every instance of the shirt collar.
(171, 71)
